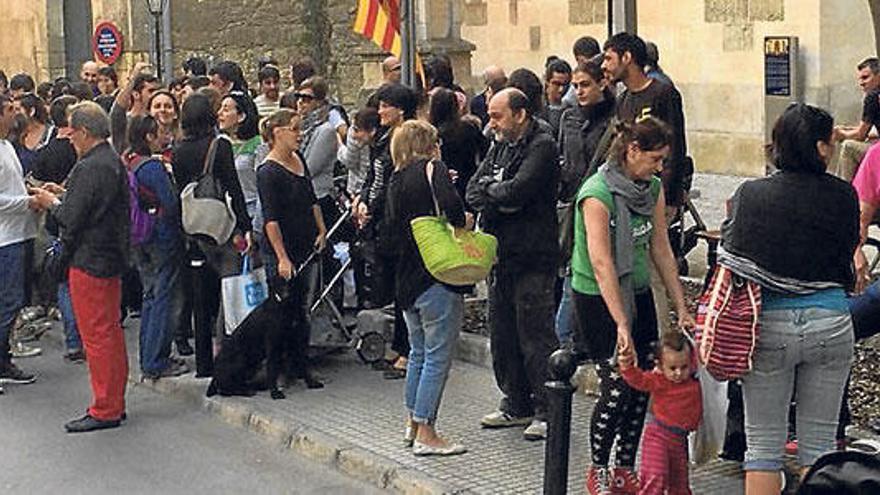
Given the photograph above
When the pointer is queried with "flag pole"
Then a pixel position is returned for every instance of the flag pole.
(408, 42)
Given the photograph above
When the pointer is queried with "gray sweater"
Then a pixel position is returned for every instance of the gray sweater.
(355, 156)
(320, 156)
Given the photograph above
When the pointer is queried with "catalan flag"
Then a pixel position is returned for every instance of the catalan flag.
(379, 20)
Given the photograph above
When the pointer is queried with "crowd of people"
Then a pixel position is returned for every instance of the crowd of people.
(551, 164)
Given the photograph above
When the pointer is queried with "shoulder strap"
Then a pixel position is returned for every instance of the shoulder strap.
(209, 157)
(429, 171)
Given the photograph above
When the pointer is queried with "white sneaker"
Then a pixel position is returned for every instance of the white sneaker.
(500, 419)
(537, 430)
(20, 350)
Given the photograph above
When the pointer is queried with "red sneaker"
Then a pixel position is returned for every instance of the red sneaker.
(624, 481)
(791, 447)
(598, 480)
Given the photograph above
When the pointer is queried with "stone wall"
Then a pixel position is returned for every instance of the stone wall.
(286, 30)
(24, 35)
(711, 48)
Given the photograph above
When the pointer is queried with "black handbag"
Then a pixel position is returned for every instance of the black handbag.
(57, 261)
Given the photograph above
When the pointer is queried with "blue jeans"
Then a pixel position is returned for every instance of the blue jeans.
(159, 266)
(434, 322)
(810, 350)
(12, 291)
(565, 313)
(72, 340)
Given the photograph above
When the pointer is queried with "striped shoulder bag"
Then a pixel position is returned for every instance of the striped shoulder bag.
(728, 324)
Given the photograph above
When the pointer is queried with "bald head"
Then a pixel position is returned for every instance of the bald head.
(494, 78)
(391, 69)
(88, 73)
(509, 114)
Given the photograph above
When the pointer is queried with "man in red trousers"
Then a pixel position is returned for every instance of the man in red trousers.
(94, 218)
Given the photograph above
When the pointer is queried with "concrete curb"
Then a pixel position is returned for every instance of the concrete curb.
(302, 439)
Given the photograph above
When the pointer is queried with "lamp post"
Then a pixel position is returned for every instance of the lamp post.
(408, 47)
(157, 8)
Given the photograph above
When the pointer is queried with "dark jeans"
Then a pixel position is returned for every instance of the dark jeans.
(132, 290)
(72, 340)
(400, 340)
(12, 291)
(521, 322)
(159, 268)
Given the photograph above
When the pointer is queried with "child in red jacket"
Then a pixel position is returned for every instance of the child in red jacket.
(676, 407)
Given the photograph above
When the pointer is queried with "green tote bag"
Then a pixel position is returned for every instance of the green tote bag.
(453, 256)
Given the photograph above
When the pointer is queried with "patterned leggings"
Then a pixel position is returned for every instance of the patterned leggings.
(619, 415)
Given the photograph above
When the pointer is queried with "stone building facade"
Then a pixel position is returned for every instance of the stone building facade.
(711, 48)
(243, 30)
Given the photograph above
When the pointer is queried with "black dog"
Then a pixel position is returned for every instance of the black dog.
(265, 334)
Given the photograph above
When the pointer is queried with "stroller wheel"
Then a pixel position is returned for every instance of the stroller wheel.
(370, 347)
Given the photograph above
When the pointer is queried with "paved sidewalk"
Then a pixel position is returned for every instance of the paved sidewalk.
(356, 425)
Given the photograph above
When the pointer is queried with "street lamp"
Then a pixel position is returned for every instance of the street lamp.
(157, 8)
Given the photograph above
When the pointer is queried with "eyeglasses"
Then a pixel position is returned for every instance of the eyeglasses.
(304, 96)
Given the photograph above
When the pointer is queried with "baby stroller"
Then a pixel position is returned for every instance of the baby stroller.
(331, 330)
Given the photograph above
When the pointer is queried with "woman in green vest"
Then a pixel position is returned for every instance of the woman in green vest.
(612, 288)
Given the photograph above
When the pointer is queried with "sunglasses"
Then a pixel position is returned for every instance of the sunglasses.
(304, 96)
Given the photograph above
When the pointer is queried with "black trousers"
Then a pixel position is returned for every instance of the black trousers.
(521, 323)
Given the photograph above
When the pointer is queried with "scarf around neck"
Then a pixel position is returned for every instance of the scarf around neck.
(629, 197)
(311, 122)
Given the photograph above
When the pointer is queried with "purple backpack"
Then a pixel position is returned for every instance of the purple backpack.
(143, 209)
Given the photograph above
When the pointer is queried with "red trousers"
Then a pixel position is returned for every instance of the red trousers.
(96, 307)
(664, 467)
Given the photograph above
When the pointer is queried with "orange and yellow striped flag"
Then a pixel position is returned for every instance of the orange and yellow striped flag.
(379, 20)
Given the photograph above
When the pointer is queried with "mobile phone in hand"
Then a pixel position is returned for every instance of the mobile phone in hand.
(33, 182)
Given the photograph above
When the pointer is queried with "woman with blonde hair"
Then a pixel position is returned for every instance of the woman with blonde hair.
(433, 311)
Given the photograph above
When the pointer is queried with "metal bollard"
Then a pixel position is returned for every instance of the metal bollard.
(561, 366)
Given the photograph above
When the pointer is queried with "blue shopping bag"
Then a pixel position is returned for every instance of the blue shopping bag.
(242, 294)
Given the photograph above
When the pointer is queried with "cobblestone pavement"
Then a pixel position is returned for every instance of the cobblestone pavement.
(359, 407)
(714, 190)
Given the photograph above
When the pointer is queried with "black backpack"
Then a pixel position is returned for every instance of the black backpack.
(843, 473)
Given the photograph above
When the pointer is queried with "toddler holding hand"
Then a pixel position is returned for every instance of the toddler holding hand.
(676, 407)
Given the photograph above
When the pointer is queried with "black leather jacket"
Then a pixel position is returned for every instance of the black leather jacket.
(514, 189)
(93, 214)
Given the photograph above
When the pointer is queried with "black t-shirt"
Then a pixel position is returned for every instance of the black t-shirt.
(287, 198)
(663, 102)
(54, 161)
(871, 109)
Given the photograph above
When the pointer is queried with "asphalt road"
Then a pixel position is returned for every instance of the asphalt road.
(165, 446)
